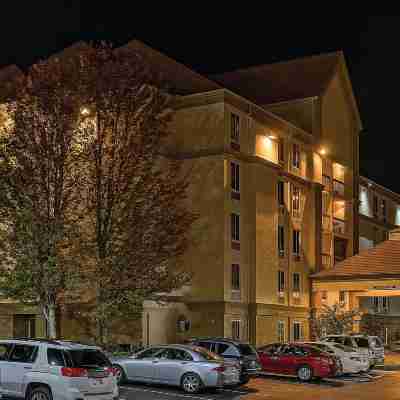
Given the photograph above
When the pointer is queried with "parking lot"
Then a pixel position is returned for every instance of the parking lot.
(377, 385)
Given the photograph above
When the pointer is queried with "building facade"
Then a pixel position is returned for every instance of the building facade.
(272, 156)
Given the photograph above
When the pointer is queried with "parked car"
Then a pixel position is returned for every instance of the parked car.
(360, 346)
(375, 346)
(47, 370)
(232, 350)
(350, 361)
(301, 360)
(190, 367)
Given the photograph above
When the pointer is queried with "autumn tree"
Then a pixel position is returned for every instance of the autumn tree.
(332, 320)
(137, 218)
(40, 187)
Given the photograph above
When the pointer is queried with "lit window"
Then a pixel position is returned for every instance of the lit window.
(342, 297)
(281, 332)
(295, 200)
(236, 329)
(324, 296)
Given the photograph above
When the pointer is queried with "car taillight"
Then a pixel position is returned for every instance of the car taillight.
(74, 372)
(112, 371)
(221, 368)
(331, 361)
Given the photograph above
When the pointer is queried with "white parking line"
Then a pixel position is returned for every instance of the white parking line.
(165, 393)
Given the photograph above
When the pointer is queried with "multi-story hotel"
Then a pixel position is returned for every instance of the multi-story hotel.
(272, 156)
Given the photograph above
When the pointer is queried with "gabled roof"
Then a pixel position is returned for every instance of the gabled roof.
(181, 79)
(382, 261)
(282, 81)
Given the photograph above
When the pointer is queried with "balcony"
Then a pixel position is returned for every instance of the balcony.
(339, 226)
(326, 261)
(338, 188)
(326, 181)
(326, 223)
(235, 295)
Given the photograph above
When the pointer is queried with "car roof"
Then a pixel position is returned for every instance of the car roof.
(56, 343)
(218, 339)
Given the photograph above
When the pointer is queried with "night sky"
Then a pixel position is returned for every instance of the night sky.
(215, 43)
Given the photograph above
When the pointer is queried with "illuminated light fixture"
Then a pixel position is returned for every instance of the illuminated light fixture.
(322, 151)
(85, 111)
(272, 137)
(369, 184)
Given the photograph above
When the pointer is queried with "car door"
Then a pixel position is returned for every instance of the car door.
(20, 363)
(141, 367)
(171, 364)
(268, 357)
(5, 349)
(284, 363)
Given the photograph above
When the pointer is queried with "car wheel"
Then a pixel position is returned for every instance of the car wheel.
(304, 373)
(40, 393)
(119, 374)
(191, 383)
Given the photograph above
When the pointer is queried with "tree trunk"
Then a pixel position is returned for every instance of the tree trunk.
(51, 320)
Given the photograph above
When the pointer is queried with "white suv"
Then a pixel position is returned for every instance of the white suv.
(55, 370)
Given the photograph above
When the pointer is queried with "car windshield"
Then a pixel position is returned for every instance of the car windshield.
(87, 358)
(377, 342)
(321, 346)
(207, 355)
(246, 349)
(361, 342)
(346, 349)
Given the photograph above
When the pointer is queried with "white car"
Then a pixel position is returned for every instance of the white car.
(375, 346)
(351, 361)
(55, 370)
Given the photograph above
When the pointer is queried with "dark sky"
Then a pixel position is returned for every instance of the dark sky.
(215, 43)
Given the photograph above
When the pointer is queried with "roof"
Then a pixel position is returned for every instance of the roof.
(181, 79)
(283, 81)
(381, 261)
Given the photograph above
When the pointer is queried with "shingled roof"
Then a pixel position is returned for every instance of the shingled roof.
(381, 261)
(283, 81)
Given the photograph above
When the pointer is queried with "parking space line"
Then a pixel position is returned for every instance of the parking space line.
(165, 393)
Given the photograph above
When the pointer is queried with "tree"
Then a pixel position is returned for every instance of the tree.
(137, 221)
(332, 320)
(40, 188)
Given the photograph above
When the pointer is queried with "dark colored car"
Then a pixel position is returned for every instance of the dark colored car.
(304, 361)
(241, 353)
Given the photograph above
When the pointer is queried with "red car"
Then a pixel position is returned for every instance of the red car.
(304, 361)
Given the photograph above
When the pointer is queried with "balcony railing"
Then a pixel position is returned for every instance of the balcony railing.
(339, 226)
(235, 295)
(326, 261)
(326, 181)
(338, 188)
(326, 223)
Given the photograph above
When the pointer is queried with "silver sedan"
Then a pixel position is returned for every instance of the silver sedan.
(192, 368)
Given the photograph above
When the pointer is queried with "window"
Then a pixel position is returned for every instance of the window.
(296, 331)
(235, 227)
(4, 351)
(295, 200)
(222, 347)
(281, 151)
(375, 205)
(236, 329)
(175, 354)
(148, 353)
(324, 296)
(235, 277)
(207, 345)
(384, 209)
(342, 297)
(381, 304)
(55, 357)
(281, 193)
(235, 128)
(296, 242)
(296, 282)
(281, 281)
(235, 177)
(281, 332)
(296, 155)
(24, 353)
(81, 358)
(281, 240)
